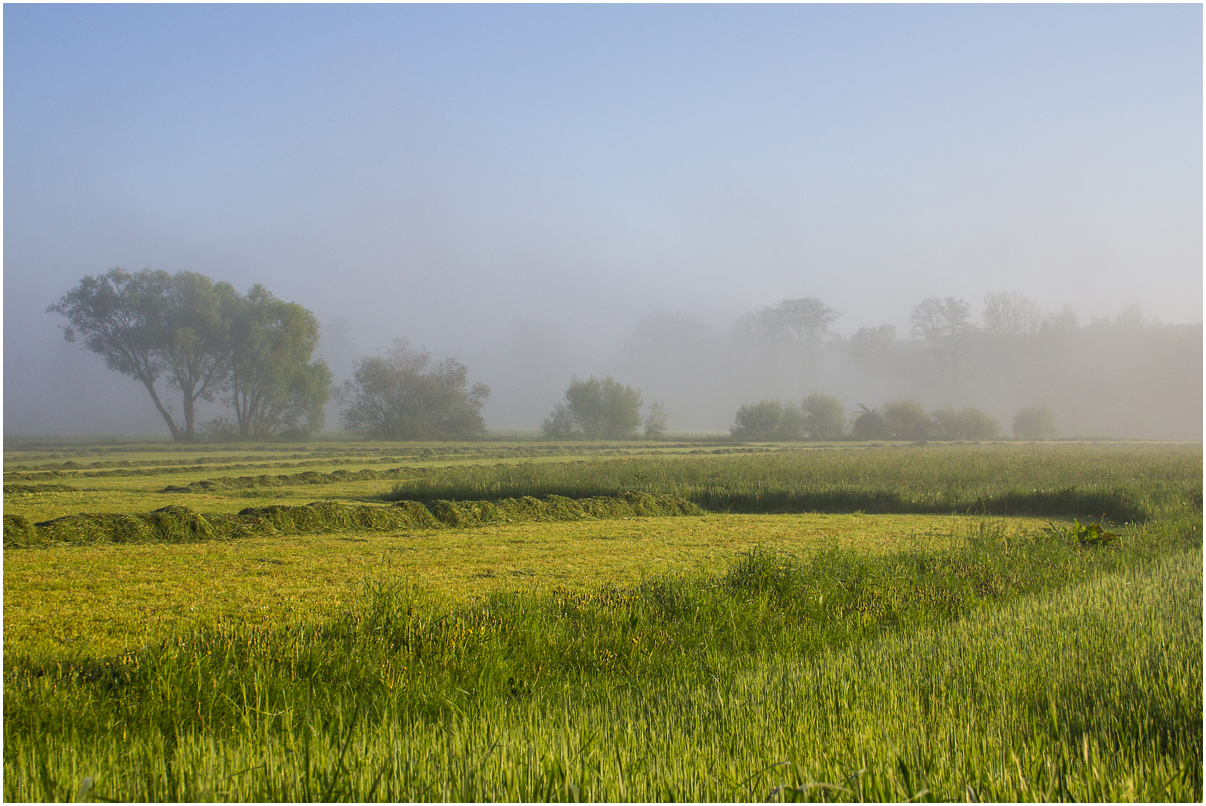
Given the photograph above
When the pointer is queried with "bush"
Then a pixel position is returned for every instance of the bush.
(758, 422)
(1035, 423)
(595, 409)
(967, 423)
(769, 421)
(824, 417)
(655, 422)
(906, 419)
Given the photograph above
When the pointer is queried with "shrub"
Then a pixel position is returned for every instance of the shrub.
(655, 422)
(769, 420)
(824, 417)
(906, 419)
(966, 423)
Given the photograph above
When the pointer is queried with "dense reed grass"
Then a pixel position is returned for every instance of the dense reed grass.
(836, 676)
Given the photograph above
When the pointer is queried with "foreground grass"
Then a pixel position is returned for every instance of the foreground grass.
(97, 600)
(1002, 669)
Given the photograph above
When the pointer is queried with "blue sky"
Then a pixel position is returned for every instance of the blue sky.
(450, 173)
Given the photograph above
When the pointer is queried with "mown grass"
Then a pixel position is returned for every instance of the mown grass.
(839, 676)
(90, 600)
(179, 524)
(638, 659)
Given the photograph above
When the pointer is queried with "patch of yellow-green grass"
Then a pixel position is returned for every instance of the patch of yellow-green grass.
(97, 600)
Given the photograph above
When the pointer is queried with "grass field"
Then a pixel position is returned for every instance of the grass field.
(842, 623)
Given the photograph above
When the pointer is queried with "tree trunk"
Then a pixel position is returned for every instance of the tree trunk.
(167, 417)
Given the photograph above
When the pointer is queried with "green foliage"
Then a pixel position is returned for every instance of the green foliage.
(152, 324)
(595, 409)
(906, 419)
(1089, 535)
(769, 420)
(824, 417)
(204, 339)
(274, 385)
(655, 421)
(400, 397)
(1036, 424)
(966, 423)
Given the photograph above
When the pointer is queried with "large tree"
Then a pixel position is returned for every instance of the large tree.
(151, 325)
(274, 385)
(401, 397)
(805, 321)
(595, 409)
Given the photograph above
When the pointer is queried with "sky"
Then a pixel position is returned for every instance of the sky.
(510, 183)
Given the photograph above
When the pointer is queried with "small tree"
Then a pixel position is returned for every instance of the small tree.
(655, 422)
(595, 409)
(824, 417)
(869, 424)
(1035, 423)
(399, 397)
(906, 419)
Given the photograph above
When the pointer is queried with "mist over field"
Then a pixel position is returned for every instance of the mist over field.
(551, 192)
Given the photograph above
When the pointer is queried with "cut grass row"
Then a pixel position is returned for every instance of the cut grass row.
(840, 676)
(179, 524)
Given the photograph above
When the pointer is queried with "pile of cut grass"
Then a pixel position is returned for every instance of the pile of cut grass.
(225, 483)
(179, 524)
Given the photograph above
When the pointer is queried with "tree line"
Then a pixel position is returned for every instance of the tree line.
(189, 339)
(824, 418)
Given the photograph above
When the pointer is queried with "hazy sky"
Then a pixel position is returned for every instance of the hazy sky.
(466, 176)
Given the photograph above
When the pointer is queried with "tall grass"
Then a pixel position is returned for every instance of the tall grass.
(1123, 483)
(835, 676)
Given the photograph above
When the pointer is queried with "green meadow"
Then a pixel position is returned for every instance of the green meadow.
(603, 621)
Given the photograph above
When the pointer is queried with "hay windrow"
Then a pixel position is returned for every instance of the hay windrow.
(179, 524)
